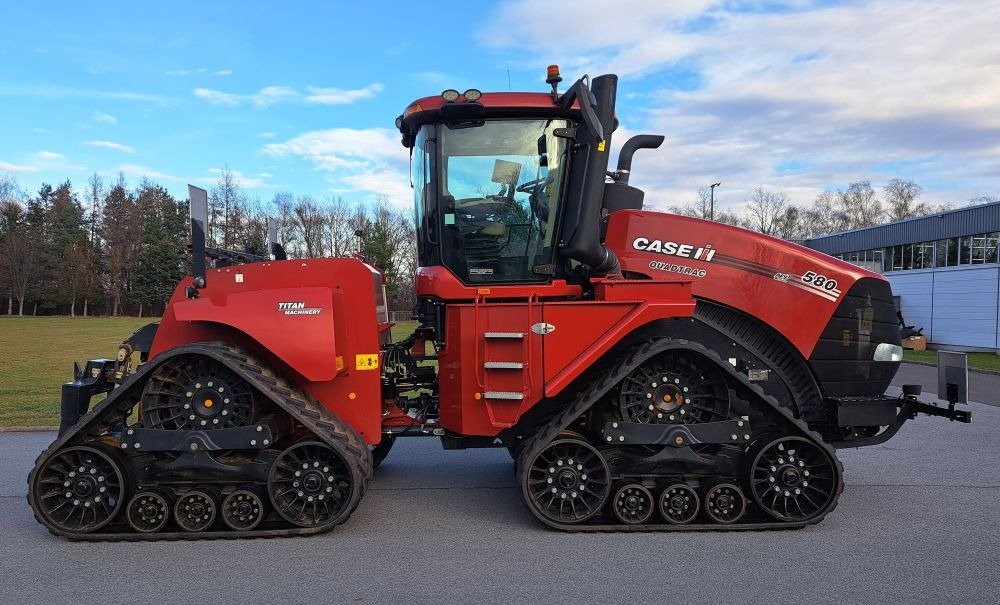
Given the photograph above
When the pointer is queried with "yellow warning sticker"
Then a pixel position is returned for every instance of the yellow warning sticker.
(367, 361)
(601, 145)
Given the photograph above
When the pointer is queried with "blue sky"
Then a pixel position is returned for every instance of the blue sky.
(798, 96)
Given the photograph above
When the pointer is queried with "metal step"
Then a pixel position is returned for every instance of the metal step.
(503, 365)
(511, 395)
(502, 335)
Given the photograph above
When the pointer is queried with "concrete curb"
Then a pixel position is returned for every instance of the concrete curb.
(28, 429)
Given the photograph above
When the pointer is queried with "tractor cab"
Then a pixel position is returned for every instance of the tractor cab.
(509, 187)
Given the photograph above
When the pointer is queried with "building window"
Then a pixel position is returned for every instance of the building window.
(984, 248)
(876, 260)
(923, 255)
(964, 246)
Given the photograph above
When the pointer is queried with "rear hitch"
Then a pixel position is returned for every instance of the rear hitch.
(96, 377)
(910, 395)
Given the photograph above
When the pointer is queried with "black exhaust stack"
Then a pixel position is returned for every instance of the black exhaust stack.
(198, 209)
(581, 231)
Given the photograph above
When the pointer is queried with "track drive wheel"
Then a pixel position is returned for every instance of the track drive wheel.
(633, 504)
(242, 510)
(725, 503)
(195, 511)
(80, 489)
(679, 504)
(792, 479)
(148, 511)
(314, 485)
(196, 393)
(674, 388)
(566, 482)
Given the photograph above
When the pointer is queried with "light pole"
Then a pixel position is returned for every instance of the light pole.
(711, 206)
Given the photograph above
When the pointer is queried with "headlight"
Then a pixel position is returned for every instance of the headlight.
(888, 352)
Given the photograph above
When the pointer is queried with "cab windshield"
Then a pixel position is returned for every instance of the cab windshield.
(501, 183)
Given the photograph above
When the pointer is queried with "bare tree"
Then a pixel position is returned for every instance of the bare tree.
(765, 210)
(703, 208)
(225, 195)
(311, 222)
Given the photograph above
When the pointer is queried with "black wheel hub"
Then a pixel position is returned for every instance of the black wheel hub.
(566, 482)
(311, 484)
(633, 504)
(195, 511)
(793, 479)
(725, 503)
(79, 489)
(148, 512)
(243, 510)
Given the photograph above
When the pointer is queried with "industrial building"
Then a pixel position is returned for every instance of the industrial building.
(943, 268)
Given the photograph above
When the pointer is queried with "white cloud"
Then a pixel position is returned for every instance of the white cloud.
(804, 98)
(223, 72)
(8, 167)
(111, 145)
(265, 135)
(177, 72)
(104, 118)
(49, 155)
(265, 97)
(258, 181)
(137, 171)
(48, 91)
(337, 96)
(272, 95)
(369, 160)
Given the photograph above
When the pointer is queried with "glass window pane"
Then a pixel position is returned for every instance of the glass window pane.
(877, 264)
(907, 253)
(964, 248)
(941, 256)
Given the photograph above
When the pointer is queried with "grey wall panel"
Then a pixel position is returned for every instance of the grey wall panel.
(915, 290)
(955, 223)
(965, 306)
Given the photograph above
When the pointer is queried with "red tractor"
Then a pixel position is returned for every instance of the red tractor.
(646, 371)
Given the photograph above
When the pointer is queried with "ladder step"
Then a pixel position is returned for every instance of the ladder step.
(503, 365)
(497, 335)
(511, 395)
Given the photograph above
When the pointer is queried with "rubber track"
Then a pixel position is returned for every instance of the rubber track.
(114, 410)
(605, 381)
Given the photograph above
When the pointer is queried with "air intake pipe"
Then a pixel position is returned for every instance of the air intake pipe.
(639, 141)
(582, 217)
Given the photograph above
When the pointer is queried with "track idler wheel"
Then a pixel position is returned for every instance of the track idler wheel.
(567, 481)
(725, 503)
(313, 485)
(633, 504)
(148, 511)
(195, 511)
(242, 510)
(79, 489)
(679, 504)
(792, 479)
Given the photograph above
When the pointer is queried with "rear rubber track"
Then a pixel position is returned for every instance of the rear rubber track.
(592, 392)
(115, 409)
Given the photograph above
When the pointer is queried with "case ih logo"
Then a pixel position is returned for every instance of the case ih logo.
(297, 308)
(704, 253)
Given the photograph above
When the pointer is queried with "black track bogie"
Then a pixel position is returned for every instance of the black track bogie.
(196, 393)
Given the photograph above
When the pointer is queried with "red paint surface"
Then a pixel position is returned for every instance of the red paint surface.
(303, 348)
(798, 314)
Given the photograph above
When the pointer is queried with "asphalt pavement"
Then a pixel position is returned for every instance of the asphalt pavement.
(917, 523)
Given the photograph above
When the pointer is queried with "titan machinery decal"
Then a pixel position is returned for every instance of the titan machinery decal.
(297, 308)
(810, 281)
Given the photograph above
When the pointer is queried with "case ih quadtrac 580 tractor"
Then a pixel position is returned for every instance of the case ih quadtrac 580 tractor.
(646, 371)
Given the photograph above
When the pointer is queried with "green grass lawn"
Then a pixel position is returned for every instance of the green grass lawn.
(977, 361)
(37, 356)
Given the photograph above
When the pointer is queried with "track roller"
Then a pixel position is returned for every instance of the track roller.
(80, 489)
(195, 511)
(633, 504)
(148, 511)
(242, 510)
(679, 504)
(791, 479)
(725, 503)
